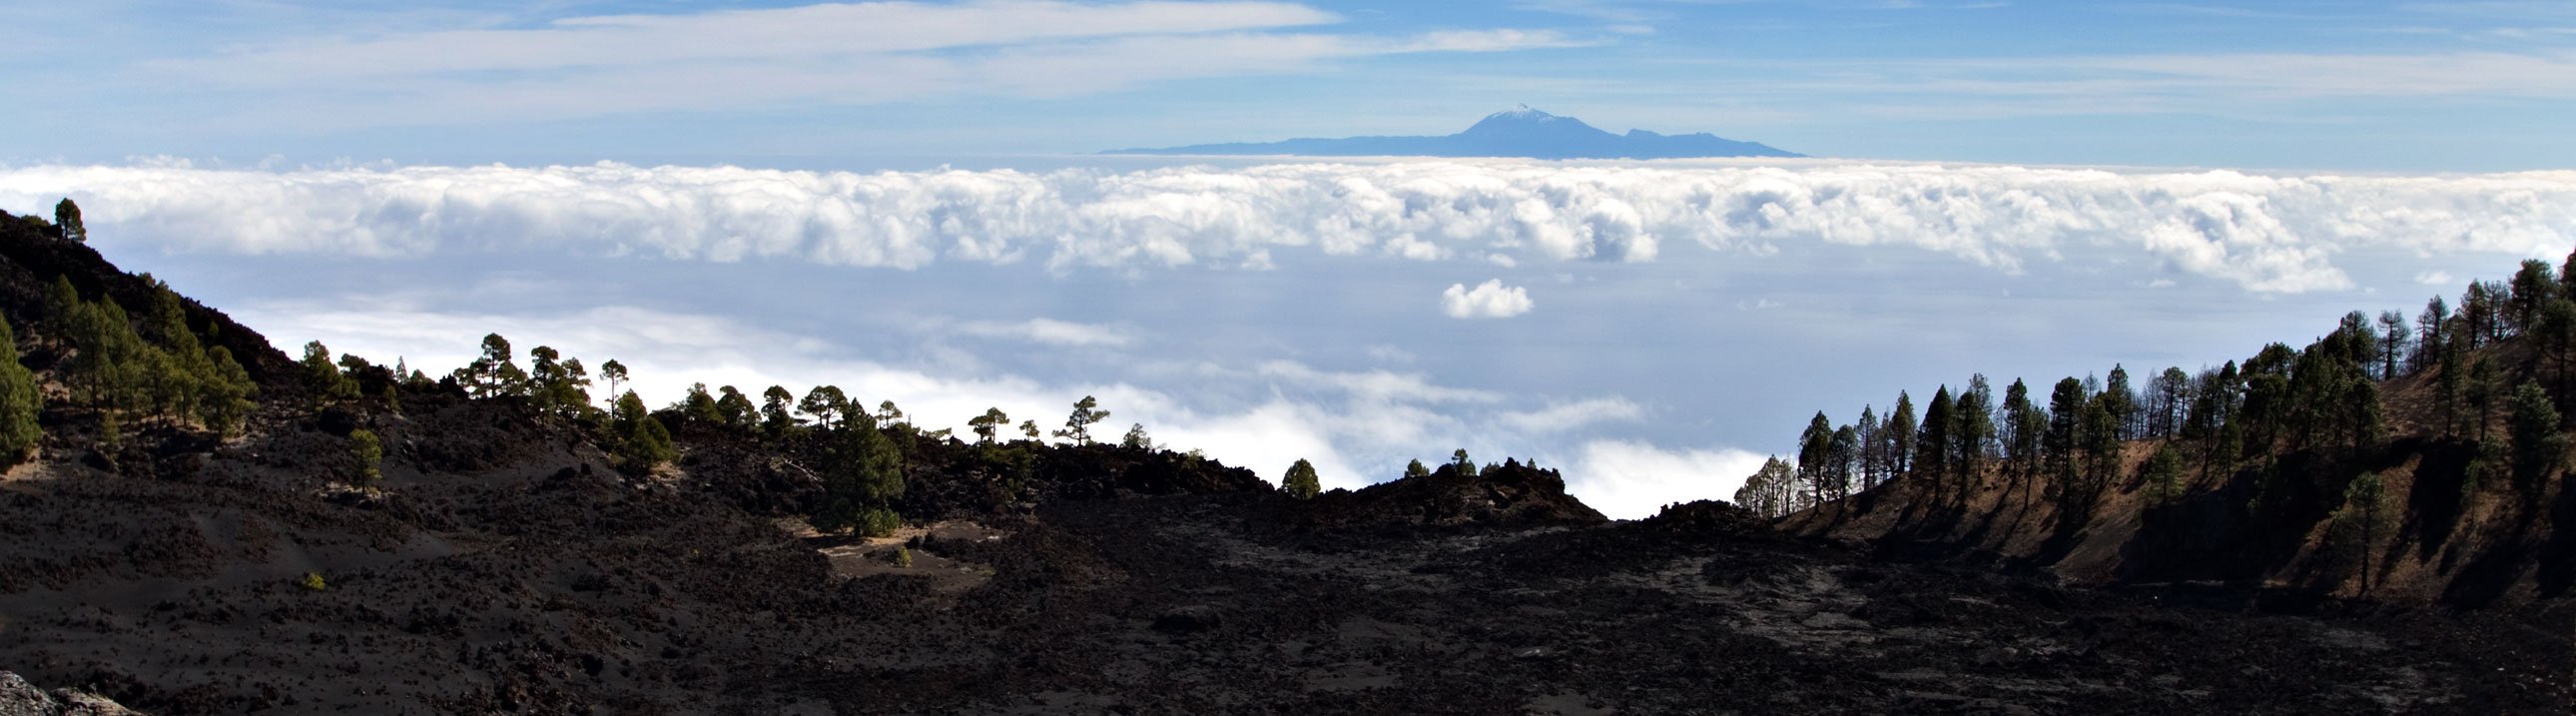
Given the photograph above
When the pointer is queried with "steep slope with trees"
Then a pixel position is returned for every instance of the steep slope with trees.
(2424, 464)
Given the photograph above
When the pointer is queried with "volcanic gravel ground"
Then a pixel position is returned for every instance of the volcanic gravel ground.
(576, 590)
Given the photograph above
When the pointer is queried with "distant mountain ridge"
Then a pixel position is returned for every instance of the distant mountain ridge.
(1519, 132)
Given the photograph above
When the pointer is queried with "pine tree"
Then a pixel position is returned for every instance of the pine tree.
(1972, 432)
(2029, 427)
(1871, 457)
(1077, 426)
(223, 401)
(2484, 389)
(2365, 507)
(67, 217)
(2066, 414)
(19, 404)
(2431, 338)
(556, 384)
(862, 477)
(1415, 469)
(1815, 452)
(1464, 467)
(2169, 397)
(2534, 286)
(496, 373)
(1768, 491)
(698, 405)
(2365, 510)
(1932, 444)
(2101, 438)
(2164, 475)
(1841, 456)
(2539, 445)
(735, 409)
(2120, 402)
(613, 372)
(545, 370)
(323, 378)
(1301, 482)
(2556, 335)
(62, 306)
(823, 402)
(643, 443)
(1898, 437)
(2393, 339)
(175, 376)
(368, 451)
(2567, 276)
(774, 417)
(989, 424)
(107, 364)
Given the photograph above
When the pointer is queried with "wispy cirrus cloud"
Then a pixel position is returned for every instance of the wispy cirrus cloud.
(812, 55)
(1049, 331)
(789, 33)
(1561, 416)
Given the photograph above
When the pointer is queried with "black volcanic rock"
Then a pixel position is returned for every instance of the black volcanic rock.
(1506, 495)
(1520, 132)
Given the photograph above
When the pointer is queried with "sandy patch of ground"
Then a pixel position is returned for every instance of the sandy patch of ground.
(911, 550)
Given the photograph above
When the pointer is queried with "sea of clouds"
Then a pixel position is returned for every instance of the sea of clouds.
(2266, 233)
(2260, 233)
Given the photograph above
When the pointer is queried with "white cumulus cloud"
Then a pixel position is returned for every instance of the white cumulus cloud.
(1631, 480)
(1490, 299)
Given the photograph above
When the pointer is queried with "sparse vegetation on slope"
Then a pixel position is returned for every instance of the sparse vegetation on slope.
(2248, 473)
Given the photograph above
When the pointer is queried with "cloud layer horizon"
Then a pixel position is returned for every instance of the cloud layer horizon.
(1650, 328)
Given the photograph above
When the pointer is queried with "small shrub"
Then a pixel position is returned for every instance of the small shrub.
(1301, 481)
(877, 522)
(903, 557)
(312, 581)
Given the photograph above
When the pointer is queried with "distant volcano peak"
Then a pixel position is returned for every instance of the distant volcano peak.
(1521, 131)
(1522, 120)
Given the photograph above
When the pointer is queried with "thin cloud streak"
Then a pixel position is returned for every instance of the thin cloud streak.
(814, 55)
(825, 30)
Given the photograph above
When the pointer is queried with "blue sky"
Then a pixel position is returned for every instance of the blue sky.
(899, 199)
(2473, 86)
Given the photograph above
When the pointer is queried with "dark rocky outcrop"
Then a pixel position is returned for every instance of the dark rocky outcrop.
(19, 698)
(1507, 495)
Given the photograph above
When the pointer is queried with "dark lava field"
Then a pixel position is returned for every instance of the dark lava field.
(501, 564)
(523, 589)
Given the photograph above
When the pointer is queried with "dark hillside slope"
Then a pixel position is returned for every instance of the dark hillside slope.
(501, 562)
(30, 258)
(2461, 522)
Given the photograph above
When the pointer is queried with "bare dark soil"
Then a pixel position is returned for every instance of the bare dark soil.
(573, 590)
